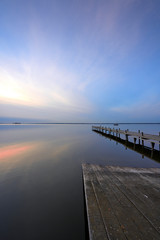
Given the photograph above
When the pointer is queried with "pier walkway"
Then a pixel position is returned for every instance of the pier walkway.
(136, 135)
(122, 203)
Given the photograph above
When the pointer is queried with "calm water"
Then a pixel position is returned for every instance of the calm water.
(41, 191)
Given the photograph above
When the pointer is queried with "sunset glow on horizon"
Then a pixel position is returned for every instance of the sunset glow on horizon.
(80, 61)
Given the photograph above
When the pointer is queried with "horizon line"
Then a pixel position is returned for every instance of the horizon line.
(19, 123)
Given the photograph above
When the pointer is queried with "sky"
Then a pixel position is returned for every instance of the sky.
(80, 60)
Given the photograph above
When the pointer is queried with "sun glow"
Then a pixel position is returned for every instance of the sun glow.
(15, 88)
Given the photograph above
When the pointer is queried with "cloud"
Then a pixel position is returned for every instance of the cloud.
(42, 85)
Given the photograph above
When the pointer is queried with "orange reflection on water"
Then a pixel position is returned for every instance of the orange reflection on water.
(14, 150)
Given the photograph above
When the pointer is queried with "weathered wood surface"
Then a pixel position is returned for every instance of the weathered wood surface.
(122, 202)
(141, 135)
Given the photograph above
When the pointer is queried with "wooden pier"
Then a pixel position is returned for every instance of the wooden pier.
(140, 136)
(122, 203)
(145, 151)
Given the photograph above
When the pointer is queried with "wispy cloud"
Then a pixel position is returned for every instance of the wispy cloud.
(42, 86)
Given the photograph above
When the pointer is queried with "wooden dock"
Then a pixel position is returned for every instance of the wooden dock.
(122, 203)
(141, 136)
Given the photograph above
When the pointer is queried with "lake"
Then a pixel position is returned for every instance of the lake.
(41, 188)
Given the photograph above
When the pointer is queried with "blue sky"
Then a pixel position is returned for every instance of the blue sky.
(80, 60)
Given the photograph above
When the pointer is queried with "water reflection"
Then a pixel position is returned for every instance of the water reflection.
(40, 185)
(14, 150)
(41, 189)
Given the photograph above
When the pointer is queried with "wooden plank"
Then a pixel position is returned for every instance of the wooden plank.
(124, 207)
(142, 186)
(126, 200)
(118, 207)
(95, 224)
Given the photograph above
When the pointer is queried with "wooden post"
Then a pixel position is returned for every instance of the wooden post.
(159, 142)
(126, 135)
(135, 142)
(142, 140)
(139, 137)
(152, 144)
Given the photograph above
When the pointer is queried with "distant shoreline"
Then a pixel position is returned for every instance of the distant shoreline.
(35, 123)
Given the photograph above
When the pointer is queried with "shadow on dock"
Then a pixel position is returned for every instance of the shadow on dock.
(143, 150)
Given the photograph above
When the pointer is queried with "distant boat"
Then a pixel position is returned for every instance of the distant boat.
(115, 124)
(16, 123)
